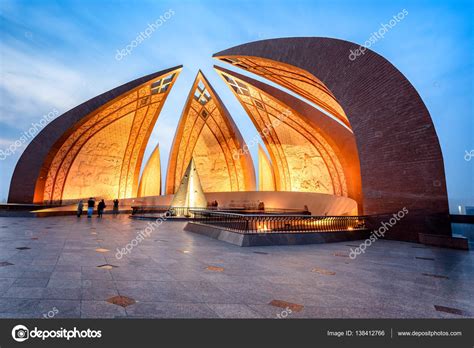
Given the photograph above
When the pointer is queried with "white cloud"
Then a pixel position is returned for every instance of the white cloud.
(4, 143)
(35, 85)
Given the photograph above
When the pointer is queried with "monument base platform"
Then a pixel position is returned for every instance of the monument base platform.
(267, 239)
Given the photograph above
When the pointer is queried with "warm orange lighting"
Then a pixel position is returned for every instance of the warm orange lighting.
(266, 177)
(295, 79)
(189, 193)
(150, 182)
(207, 133)
(102, 155)
(302, 159)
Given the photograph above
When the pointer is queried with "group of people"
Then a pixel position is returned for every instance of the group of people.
(100, 207)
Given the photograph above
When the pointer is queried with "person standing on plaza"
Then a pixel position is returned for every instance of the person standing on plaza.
(116, 206)
(100, 208)
(80, 207)
(90, 207)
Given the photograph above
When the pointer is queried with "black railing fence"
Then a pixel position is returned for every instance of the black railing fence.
(187, 212)
(166, 209)
(278, 223)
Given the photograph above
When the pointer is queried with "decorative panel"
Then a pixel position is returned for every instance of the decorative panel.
(93, 171)
(207, 133)
(295, 79)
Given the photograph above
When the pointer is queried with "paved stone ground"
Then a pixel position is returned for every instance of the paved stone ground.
(167, 275)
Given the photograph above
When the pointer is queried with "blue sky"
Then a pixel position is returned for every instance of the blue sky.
(57, 54)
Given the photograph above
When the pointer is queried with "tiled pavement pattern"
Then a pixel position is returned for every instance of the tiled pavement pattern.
(59, 274)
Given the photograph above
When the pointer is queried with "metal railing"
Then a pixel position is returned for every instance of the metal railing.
(186, 211)
(278, 223)
(162, 209)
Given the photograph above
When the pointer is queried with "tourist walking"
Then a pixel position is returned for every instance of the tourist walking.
(116, 206)
(90, 207)
(100, 208)
(80, 207)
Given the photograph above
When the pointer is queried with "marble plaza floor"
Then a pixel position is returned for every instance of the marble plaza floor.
(49, 268)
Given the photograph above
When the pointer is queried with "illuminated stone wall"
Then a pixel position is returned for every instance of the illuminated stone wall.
(266, 177)
(102, 156)
(317, 203)
(302, 159)
(94, 171)
(207, 133)
(150, 182)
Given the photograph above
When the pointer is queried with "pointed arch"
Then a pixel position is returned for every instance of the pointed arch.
(207, 133)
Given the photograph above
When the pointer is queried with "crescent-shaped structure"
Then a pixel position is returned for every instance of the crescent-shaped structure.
(207, 133)
(302, 158)
(150, 182)
(95, 149)
(401, 164)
